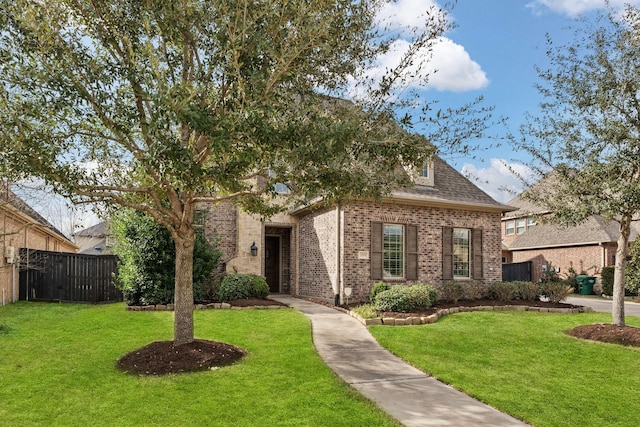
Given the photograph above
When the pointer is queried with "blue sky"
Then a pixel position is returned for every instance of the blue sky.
(493, 52)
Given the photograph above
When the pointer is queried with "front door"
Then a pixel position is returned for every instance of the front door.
(272, 262)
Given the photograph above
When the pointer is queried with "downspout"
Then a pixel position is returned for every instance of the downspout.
(337, 288)
(603, 255)
(15, 293)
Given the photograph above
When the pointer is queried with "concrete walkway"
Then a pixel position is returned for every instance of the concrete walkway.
(406, 393)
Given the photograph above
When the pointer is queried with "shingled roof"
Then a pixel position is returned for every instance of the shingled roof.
(594, 230)
(451, 187)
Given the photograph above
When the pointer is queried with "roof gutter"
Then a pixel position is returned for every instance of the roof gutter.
(560, 245)
(413, 200)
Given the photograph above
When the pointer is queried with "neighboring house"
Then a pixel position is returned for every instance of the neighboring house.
(444, 228)
(94, 240)
(584, 248)
(22, 227)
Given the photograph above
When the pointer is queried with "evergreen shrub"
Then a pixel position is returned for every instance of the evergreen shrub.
(406, 298)
(376, 289)
(240, 286)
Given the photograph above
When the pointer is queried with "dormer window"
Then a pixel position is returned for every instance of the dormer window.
(425, 174)
(425, 170)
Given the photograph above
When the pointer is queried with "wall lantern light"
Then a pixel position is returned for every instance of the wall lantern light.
(254, 249)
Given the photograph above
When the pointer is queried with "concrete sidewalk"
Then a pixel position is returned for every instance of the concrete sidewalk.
(406, 393)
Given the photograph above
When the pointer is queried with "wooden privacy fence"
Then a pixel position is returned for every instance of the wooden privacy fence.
(59, 276)
(517, 271)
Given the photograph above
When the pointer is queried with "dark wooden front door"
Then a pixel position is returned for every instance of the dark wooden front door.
(272, 262)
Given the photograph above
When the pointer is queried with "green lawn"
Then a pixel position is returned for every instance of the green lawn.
(57, 367)
(523, 364)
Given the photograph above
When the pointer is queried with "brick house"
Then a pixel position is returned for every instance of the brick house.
(443, 228)
(22, 227)
(584, 248)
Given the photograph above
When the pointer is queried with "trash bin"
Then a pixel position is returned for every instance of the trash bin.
(585, 284)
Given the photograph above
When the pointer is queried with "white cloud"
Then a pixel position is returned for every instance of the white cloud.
(574, 8)
(498, 180)
(456, 71)
(403, 15)
(447, 66)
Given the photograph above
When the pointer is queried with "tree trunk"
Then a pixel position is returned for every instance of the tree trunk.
(183, 314)
(617, 311)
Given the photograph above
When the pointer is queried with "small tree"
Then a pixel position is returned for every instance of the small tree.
(586, 140)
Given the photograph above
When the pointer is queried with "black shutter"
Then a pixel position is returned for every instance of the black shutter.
(447, 253)
(376, 251)
(412, 252)
(476, 250)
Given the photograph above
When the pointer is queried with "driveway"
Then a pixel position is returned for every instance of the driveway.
(604, 305)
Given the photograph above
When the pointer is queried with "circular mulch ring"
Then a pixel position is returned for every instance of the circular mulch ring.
(622, 335)
(162, 357)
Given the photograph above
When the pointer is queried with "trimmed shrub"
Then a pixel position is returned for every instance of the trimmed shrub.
(607, 280)
(528, 291)
(241, 286)
(502, 291)
(376, 289)
(405, 299)
(452, 291)
(475, 290)
(260, 287)
(557, 291)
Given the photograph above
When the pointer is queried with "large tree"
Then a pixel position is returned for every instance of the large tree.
(160, 105)
(588, 131)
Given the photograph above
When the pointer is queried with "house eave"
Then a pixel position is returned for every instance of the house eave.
(422, 200)
(400, 197)
(558, 245)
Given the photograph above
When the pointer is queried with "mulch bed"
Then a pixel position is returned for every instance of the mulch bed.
(622, 335)
(162, 357)
(254, 302)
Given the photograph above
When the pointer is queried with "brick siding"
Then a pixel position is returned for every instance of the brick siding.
(588, 258)
(318, 262)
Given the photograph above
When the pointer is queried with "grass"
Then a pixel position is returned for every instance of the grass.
(58, 368)
(523, 364)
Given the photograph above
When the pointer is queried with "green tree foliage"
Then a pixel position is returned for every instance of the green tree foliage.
(160, 105)
(588, 131)
(632, 282)
(147, 260)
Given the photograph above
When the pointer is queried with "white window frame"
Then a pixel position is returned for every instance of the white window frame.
(521, 225)
(510, 227)
(387, 260)
(461, 253)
